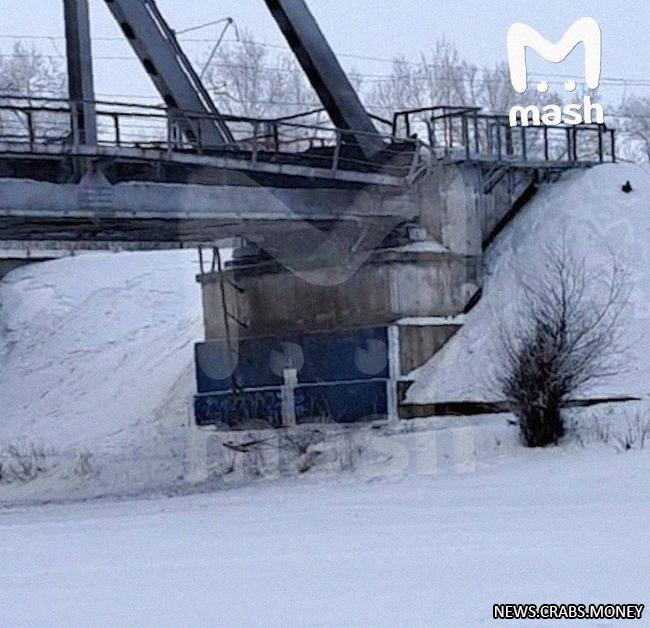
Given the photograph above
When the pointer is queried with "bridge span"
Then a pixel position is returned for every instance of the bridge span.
(145, 184)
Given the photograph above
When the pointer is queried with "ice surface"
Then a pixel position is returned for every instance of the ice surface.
(548, 526)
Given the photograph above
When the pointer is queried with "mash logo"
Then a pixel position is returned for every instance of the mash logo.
(584, 31)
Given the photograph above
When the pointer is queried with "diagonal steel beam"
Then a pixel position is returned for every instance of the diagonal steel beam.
(325, 73)
(156, 46)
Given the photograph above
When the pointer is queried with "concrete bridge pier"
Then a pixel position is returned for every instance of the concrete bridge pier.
(348, 328)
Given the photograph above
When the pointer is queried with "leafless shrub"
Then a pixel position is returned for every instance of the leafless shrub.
(301, 446)
(353, 447)
(595, 431)
(624, 435)
(566, 336)
(83, 465)
(602, 433)
(22, 462)
(635, 435)
(226, 463)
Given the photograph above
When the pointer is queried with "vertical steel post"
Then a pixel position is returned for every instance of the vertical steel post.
(466, 137)
(30, 129)
(545, 143)
(600, 143)
(80, 69)
(574, 133)
(499, 148)
(509, 145)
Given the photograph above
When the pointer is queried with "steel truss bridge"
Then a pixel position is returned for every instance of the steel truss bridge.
(84, 172)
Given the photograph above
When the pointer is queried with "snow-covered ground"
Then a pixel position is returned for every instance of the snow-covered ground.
(590, 211)
(92, 345)
(96, 356)
(560, 525)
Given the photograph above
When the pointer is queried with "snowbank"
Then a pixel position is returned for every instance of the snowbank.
(96, 351)
(591, 211)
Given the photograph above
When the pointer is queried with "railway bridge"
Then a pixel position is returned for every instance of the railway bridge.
(358, 242)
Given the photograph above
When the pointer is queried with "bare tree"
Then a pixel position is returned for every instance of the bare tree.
(634, 125)
(445, 78)
(28, 73)
(441, 78)
(407, 87)
(250, 81)
(566, 336)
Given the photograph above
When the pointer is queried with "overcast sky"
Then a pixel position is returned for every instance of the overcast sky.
(367, 28)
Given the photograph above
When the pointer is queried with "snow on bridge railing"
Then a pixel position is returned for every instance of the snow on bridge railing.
(49, 122)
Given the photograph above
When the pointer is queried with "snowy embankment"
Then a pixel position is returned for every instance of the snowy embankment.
(590, 210)
(96, 356)
(559, 525)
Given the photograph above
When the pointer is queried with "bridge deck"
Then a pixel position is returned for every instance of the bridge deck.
(144, 182)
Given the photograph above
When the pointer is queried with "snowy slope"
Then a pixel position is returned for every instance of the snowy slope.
(591, 211)
(92, 348)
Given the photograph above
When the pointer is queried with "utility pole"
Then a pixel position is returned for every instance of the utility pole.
(80, 71)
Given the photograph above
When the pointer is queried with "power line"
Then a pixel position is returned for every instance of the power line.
(610, 81)
(369, 78)
(206, 40)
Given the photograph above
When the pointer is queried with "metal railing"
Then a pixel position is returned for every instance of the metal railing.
(40, 122)
(412, 140)
(468, 134)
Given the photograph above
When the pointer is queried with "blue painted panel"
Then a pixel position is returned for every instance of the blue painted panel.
(237, 410)
(216, 363)
(359, 354)
(349, 402)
